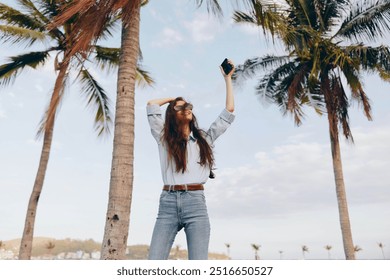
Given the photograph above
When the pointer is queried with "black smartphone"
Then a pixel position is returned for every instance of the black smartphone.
(226, 66)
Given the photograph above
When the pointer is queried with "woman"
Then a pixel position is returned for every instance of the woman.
(186, 159)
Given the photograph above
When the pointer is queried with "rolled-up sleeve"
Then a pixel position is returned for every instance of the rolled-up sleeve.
(155, 119)
(219, 126)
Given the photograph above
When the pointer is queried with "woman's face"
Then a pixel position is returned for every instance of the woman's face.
(183, 111)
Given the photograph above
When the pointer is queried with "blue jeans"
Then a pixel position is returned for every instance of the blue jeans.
(177, 210)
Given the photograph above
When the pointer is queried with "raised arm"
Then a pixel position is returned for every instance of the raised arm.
(155, 119)
(160, 101)
(229, 88)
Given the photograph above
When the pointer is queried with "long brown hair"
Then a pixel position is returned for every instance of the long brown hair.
(176, 143)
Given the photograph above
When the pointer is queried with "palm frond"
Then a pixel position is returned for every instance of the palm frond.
(304, 13)
(34, 20)
(296, 87)
(9, 71)
(320, 15)
(13, 34)
(242, 17)
(270, 16)
(98, 100)
(269, 92)
(51, 8)
(284, 87)
(329, 12)
(352, 74)
(92, 19)
(144, 2)
(212, 7)
(319, 7)
(34, 12)
(298, 39)
(278, 21)
(383, 74)
(270, 83)
(341, 105)
(292, 85)
(370, 58)
(313, 95)
(367, 20)
(353, 79)
(363, 99)
(337, 100)
(14, 17)
(143, 77)
(110, 28)
(106, 58)
(252, 66)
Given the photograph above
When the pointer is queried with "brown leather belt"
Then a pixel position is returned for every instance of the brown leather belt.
(185, 187)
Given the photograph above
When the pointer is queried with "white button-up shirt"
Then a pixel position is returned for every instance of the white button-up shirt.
(195, 173)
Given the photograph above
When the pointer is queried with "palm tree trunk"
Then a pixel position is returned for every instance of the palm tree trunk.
(27, 238)
(342, 199)
(332, 107)
(121, 183)
(28, 232)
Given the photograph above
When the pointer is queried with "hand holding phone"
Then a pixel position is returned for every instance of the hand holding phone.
(226, 66)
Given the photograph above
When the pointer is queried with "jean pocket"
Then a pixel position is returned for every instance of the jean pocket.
(164, 194)
(196, 194)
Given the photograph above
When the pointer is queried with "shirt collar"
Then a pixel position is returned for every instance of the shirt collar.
(191, 137)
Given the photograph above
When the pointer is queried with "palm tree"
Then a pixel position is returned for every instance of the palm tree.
(324, 44)
(281, 254)
(380, 244)
(30, 28)
(305, 249)
(256, 247)
(50, 246)
(328, 248)
(228, 249)
(357, 249)
(177, 252)
(89, 29)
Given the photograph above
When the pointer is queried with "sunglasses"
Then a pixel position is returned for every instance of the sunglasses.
(185, 106)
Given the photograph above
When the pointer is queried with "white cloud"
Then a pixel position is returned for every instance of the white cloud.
(158, 16)
(250, 29)
(298, 176)
(187, 65)
(213, 106)
(2, 114)
(169, 37)
(178, 85)
(203, 28)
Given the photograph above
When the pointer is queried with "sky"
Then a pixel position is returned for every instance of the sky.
(274, 181)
